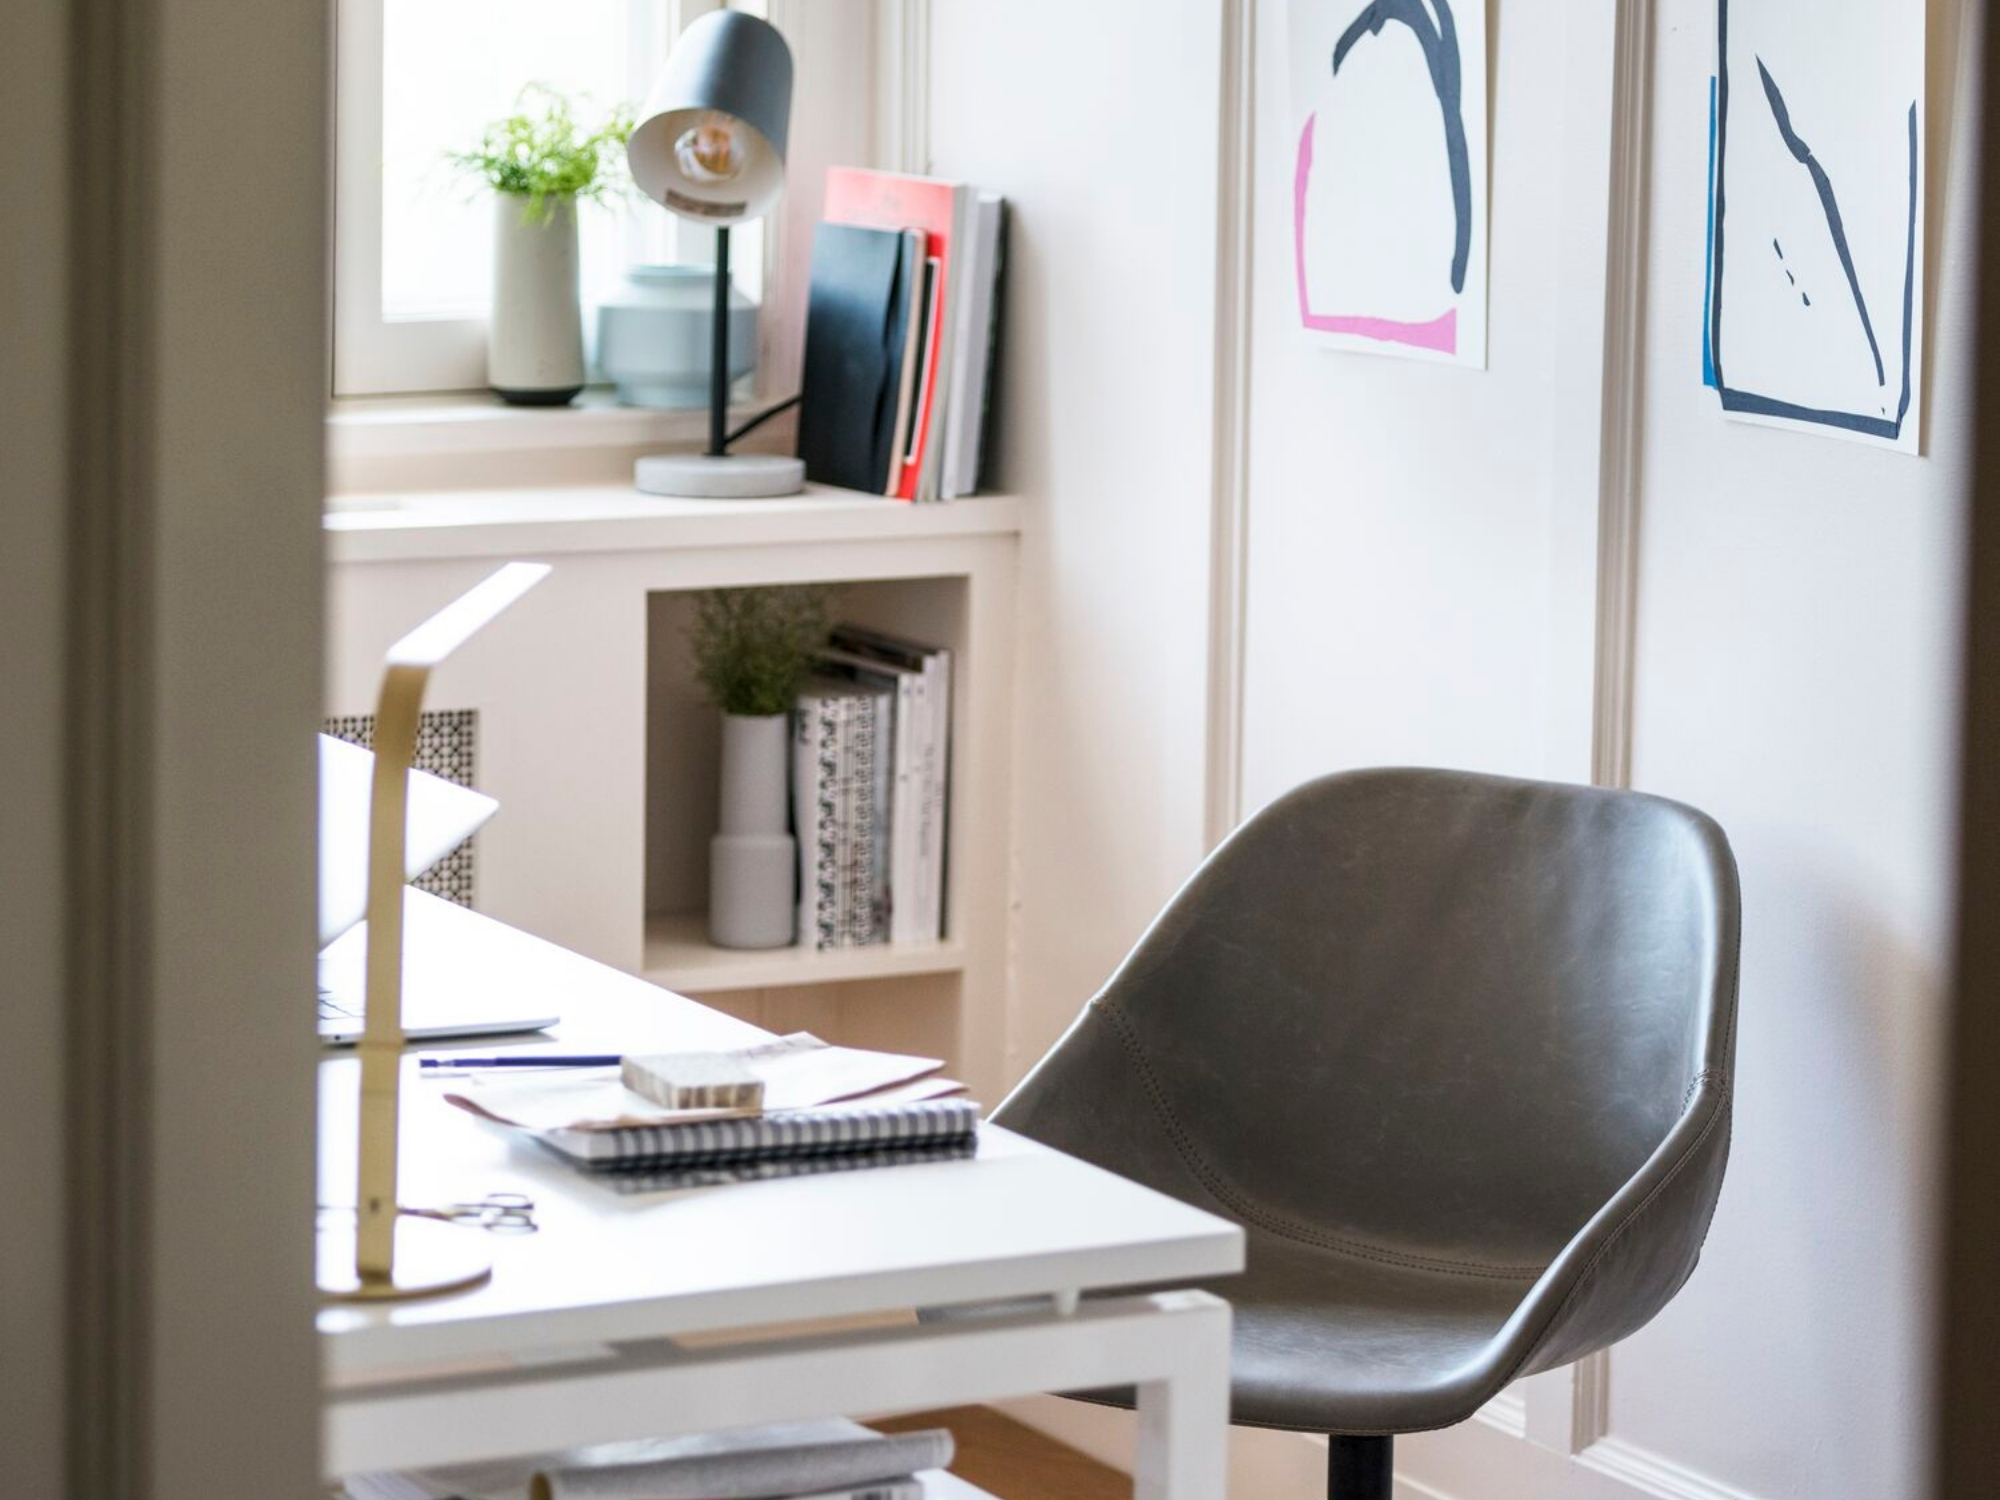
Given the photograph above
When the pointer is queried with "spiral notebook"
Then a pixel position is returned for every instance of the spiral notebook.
(792, 1135)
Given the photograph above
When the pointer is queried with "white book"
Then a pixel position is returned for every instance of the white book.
(902, 775)
(850, 848)
(868, 869)
(814, 803)
(945, 396)
(839, 805)
(933, 742)
(972, 354)
(937, 790)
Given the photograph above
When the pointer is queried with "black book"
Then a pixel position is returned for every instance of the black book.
(865, 285)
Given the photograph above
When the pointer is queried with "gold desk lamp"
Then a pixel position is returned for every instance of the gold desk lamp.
(389, 1254)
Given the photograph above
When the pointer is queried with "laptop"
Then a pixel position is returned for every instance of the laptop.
(441, 816)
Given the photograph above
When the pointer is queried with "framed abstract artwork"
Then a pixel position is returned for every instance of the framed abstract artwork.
(1389, 176)
(1815, 265)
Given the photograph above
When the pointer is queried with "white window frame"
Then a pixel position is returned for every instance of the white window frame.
(375, 356)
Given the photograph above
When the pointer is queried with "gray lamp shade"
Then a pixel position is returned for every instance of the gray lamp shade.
(710, 142)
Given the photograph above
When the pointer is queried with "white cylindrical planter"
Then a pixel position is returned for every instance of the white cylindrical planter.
(534, 349)
(752, 861)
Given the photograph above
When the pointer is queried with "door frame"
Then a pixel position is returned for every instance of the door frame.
(167, 537)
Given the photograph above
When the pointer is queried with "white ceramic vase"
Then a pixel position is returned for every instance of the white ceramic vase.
(752, 861)
(534, 349)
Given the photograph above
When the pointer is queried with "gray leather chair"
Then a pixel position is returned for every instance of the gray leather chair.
(1455, 1051)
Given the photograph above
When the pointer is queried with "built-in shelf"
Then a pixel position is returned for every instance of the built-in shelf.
(545, 521)
(680, 957)
(603, 749)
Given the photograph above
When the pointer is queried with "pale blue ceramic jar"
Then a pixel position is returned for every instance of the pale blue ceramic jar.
(653, 336)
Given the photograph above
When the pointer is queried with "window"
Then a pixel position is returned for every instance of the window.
(412, 238)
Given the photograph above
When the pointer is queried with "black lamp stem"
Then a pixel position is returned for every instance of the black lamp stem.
(718, 353)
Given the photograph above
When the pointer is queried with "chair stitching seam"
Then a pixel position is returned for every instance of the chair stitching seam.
(1694, 1086)
(1255, 1213)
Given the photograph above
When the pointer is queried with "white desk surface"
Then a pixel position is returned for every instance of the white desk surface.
(1018, 1220)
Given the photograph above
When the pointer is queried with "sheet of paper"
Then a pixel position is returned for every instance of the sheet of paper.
(1386, 219)
(1815, 285)
(799, 1072)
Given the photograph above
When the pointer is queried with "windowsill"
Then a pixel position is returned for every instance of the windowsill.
(378, 444)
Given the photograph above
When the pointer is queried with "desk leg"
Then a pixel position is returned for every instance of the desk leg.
(1183, 1449)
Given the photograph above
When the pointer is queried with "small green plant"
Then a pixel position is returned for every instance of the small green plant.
(540, 153)
(753, 647)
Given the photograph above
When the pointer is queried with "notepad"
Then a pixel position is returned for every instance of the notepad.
(798, 1072)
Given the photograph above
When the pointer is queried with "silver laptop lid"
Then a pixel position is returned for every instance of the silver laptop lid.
(441, 817)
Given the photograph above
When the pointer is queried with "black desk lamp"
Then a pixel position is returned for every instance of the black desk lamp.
(710, 147)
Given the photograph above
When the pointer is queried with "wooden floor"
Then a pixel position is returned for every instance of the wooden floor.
(1013, 1461)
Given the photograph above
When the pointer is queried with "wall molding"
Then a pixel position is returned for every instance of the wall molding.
(1590, 1401)
(1625, 99)
(1229, 514)
(903, 86)
(1653, 1475)
(1508, 1412)
(1622, 411)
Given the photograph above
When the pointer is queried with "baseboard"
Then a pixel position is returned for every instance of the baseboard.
(1260, 1462)
(1100, 1432)
(1507, 1411)
(1411, 1489)
(1487, 1464)
(1653, 1476)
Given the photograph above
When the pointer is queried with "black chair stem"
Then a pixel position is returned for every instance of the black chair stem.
(1359, 1468)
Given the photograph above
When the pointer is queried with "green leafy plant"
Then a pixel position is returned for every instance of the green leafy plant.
(540, 153)
(753, 647)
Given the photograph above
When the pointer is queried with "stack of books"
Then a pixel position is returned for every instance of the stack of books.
(824, 1109)
(832, 1460)
(870, 756)
(902, 335)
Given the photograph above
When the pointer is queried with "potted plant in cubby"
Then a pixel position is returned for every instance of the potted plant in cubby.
(752, 649)
(540, 163)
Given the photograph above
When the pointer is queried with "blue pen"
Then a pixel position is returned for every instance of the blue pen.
(525, 1060)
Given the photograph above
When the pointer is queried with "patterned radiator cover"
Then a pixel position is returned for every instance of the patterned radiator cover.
(447, 740)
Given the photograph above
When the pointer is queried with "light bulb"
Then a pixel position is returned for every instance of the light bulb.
(711, 150)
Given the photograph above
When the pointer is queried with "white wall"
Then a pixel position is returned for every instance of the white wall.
(1400, 513)
(1098, 123)
(1797, 675)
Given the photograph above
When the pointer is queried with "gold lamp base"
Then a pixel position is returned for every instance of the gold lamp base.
(432, 1258)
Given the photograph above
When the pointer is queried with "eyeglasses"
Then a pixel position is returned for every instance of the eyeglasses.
(500, 1213)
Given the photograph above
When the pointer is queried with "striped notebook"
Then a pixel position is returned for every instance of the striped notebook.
(672, 1179)
(790, 1135)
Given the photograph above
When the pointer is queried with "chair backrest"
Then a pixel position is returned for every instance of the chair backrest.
(1437, 1014)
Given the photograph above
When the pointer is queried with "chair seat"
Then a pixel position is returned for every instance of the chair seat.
(1332, 1342)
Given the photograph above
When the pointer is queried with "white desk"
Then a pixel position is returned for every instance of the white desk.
(575, 1338)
